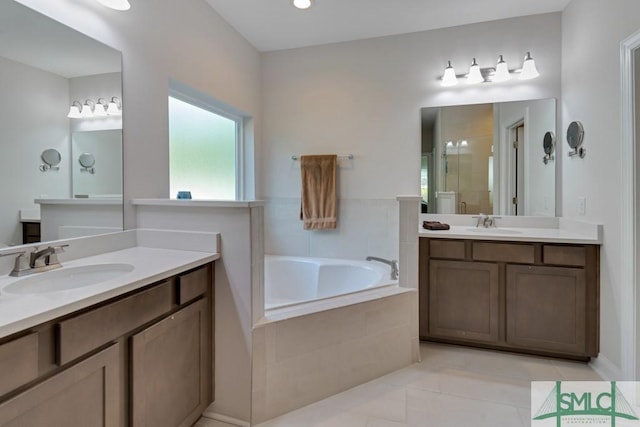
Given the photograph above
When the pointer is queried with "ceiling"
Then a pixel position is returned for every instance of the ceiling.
(28, 37)
(276, 24)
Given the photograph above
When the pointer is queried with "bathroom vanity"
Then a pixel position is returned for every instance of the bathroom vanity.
(528, 290)
(136, 354)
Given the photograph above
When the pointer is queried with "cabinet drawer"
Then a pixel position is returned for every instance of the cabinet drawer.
(18, 362)
(564, 255)
(447, 249)
(90, 330)
(192, 285)
(504, 252)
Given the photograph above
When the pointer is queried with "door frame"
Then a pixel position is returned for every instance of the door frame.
(629, 241)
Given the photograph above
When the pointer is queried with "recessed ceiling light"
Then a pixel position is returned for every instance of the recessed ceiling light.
(302, 4)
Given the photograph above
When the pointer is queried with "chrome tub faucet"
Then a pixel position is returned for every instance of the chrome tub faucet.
(392, 263)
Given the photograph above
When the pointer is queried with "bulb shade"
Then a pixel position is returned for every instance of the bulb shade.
(74, 112)
(113, 109)
(86, 111)
(116, 4)
(529, 70)
(100, 110)
(302, 4)
(474, 76)
(502, 71)
(449, 77)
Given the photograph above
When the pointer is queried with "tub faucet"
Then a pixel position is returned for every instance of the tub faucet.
(392, 263)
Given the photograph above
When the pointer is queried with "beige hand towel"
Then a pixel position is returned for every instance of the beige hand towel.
(318, 209)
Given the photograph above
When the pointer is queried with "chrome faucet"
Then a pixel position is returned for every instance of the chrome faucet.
(486, 220)
(39, 260)
(392, 263)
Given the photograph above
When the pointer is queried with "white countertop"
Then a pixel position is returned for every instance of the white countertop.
(19, 312)
(81, 201)
(553, 230)
(198, 203)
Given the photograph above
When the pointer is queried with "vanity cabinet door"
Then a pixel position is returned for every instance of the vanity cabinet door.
(86, 394)
(547, 308)
(170, 373)
(464, 300)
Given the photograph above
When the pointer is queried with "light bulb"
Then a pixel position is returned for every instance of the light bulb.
(113, 109)
(502, 71)
(101, 109)
(529, 70)
(474, 76)
(115, 4)
(449, 77)
(302, 4)
(74, 111)
(86, 111)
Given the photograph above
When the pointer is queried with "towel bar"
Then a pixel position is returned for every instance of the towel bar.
(346, 156)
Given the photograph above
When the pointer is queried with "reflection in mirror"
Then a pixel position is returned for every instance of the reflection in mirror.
(93, 148)
(45, 67)
(488, 158)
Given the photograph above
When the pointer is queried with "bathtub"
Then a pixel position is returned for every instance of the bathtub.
(296, 280)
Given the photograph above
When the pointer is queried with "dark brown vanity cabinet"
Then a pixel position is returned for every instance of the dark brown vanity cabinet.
(538, 298)
(140, 359)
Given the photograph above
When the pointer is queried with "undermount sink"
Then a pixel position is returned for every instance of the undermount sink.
(484, 230)
(67, 278)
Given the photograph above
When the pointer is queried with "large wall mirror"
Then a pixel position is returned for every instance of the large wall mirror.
(489, 158)
(44, 67)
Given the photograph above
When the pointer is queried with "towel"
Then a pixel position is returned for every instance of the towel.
(435, 225)
(318, 208)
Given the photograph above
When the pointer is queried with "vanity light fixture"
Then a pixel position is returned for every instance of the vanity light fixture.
(302, 4)
(92, 109)
(474, 76)
(502, 71)
(115, 4)
(74, 110)
(449, 78)
(115, 107)
(87, 109)
(100, 109)
(497, 74)
(529, 70)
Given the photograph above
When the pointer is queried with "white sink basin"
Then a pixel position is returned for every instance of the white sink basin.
(497, 230)
(67, 278)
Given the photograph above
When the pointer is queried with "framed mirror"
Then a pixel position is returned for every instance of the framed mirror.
(488, 158)
(45, 66)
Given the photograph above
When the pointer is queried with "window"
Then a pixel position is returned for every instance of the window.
(204, 150)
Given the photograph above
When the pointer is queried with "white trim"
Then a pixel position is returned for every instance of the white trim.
(629, 245)
(226, 419)
(607, 370)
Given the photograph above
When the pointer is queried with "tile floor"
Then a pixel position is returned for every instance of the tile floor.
(452, 387)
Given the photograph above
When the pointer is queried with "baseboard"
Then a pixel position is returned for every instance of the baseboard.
(607, 369)
(226, 419)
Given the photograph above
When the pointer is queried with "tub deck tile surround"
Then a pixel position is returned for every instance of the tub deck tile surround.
(301, 358)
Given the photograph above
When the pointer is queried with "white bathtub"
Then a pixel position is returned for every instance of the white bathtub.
(295, 280)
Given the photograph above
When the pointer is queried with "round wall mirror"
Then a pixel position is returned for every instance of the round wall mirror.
(548, 143)
(575, 134)
(87, 160)
(51, 157)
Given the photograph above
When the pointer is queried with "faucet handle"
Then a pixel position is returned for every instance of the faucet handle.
(20, 264)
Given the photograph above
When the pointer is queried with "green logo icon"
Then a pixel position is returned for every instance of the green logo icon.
(601, 404)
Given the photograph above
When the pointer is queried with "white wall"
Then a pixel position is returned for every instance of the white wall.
(364, 97)
(591, 34)
(34, 96)
(539, 178)
(181, 39)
